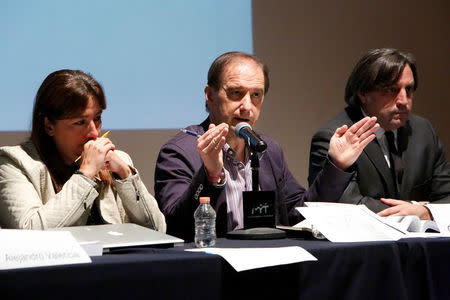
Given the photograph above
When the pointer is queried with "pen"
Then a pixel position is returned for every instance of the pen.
(193, 133)
(103, 136)
(190, 132)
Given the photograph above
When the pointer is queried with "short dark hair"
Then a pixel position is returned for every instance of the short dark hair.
(219, 64)
(377, 69)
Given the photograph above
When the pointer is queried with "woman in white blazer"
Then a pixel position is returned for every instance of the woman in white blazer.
(44, 185)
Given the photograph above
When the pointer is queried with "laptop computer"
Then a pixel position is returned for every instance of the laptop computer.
(121, 235)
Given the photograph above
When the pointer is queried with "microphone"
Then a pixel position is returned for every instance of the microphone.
(244, 131)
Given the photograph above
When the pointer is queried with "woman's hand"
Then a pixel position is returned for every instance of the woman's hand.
(94, 156)
(115, 164)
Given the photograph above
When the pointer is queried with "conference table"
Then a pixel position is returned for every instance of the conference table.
(417, 268)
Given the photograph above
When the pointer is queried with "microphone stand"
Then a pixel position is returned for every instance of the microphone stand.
(256, 233)
(254, 164)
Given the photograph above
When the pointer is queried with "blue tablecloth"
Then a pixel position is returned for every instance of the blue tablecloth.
(405, 269)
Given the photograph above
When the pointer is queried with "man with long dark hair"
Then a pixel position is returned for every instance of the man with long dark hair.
(405, 166)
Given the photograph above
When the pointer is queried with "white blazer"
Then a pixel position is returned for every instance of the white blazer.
(28, 199)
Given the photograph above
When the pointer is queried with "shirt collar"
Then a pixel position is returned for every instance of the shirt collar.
(230, 155)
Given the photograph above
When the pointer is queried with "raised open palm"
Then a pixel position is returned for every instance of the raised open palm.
(346, 144)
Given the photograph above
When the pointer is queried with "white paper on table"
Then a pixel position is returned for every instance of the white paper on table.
(397, 222)
(242, 259)
(410, 224)
(306, 223)
(349, 223)
(303, 224)
(34, 248)
(317, 204)
(441, 215)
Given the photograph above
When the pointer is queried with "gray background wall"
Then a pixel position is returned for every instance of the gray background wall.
(311, 48)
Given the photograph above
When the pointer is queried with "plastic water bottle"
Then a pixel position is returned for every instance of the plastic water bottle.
(205, 224)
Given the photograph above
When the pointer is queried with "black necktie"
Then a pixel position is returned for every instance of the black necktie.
(396, 160)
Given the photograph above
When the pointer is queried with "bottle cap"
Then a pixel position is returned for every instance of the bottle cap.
(204, 199)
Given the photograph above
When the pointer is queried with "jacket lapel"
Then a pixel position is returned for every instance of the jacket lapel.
(265, 181)
(374, 153)
(403, 136)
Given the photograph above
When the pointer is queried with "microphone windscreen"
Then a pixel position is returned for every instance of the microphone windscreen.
(239, 126)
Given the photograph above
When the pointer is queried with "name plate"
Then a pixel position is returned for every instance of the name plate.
(259, 209)
(36, 248)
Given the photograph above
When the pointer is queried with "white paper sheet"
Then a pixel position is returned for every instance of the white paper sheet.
(33, 248)
(252, 258)
(441, 214)
(348, 223)
(316, 204)
(397, 222)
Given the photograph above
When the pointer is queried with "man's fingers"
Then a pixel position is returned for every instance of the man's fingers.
(368, 136)
(213, 140)
(390, 201)
(355, 127)
(341, 130)
(213, 134)
(388, 211)
(384, 213)
(207, 137)
(369, 132)
(220, 144)
(365, 126)
(364, 132)
(394, 209)
(366, 141)
(400, 213)
(213, 144)
(224, 131)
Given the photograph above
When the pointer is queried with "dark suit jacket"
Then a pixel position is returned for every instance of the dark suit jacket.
(426, 174)
(180, 178)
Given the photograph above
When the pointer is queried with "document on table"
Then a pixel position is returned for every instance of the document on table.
(349, 223)
(242, 259)
(410, 224)
(441, 214)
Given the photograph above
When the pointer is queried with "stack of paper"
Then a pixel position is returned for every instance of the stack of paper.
(356, 223)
